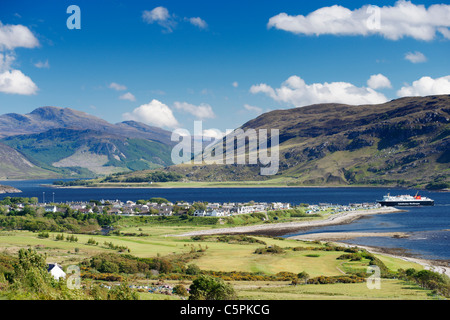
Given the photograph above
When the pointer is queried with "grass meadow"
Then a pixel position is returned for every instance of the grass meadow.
(223, 256)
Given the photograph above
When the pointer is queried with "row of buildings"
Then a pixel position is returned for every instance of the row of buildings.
(131, 208)
(199, 209)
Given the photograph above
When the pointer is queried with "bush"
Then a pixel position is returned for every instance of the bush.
(122, 292)
(271, 249)
(193, 269)
(211, 288)
(180, 290)
(43, 235)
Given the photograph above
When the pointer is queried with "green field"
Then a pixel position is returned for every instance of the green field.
(389, 290)
(227, 257)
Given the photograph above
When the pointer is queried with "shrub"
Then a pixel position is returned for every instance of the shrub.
(210, 288)
(122, 292)
(43, 235)
(192, 269)
(271, 249)
(180, 290)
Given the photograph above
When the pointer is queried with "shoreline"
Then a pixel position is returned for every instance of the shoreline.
(208, 187)
(440, 266)
(218, 186)
(283, 228)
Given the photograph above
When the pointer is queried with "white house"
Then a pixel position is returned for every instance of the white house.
(51, 208)
(56, 271)
(215, 213)
(199, 213)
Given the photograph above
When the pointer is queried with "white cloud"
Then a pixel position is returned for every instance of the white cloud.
(235, 84)
(445, 32)
(16, 36)
(128, 96)
(404, 19)
(154, 113)
(6, 61)
(117, 87)
(426, 86)
(198, 22)
(212, 133)
(250, 108)
(168, 21)
(161, 16)
(15, 82)
(378, 81)
(42, 65)
(415, 57)
(296, 92)
(202, 111)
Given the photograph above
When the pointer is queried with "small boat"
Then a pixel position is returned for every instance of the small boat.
(405, 201)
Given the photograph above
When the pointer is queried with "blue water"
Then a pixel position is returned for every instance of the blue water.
(430, 226)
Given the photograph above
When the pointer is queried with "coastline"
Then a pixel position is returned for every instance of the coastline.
(214, 185)
(432, 265)
(8, 189)
(284, 228)
(442, 267)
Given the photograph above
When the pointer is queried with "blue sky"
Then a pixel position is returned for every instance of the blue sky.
(168, 63)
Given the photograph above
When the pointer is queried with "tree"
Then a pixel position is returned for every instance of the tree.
(199, 206)
(192, 269)
(30, 275)
(303, 276)
(209, 288)
(180, 290)
(158, 200)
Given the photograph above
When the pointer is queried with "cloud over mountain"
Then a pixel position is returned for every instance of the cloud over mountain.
(295, 91)
(153, 113)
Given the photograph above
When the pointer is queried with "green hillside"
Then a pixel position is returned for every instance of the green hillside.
(88, 152)
(404, 142)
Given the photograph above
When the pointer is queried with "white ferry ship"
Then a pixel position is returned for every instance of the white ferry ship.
(405, 200)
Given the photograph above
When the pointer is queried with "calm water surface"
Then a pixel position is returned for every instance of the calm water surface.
(430, 226)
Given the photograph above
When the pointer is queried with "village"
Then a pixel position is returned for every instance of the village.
(163, 207)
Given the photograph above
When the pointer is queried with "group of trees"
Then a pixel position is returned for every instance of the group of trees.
(36, 219)
(156, 176)
(26, 277)
(11, 201)
(428, 280)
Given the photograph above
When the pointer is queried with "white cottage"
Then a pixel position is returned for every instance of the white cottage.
(215, 213)
(56, 271)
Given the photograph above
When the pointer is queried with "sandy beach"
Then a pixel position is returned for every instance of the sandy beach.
(288, 227)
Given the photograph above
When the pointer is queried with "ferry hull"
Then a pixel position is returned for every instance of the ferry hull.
(406, 203)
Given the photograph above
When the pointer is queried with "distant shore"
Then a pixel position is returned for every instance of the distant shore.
(206, 185)
(8, 189)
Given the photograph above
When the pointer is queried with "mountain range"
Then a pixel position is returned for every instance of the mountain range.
(62, 142)
(403, 142)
